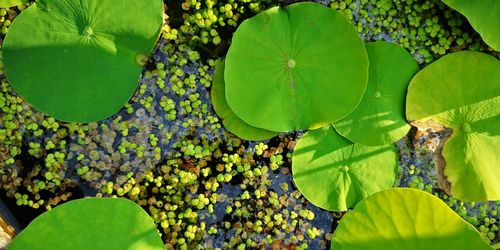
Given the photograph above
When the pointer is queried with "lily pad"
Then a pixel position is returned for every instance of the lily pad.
(335, 174)
(91, 223)
(483, 17)
(82, 60)
(380, 119)
(403, 218)
(298, 67)
(230, 121)
(460, 95)
(11, 3)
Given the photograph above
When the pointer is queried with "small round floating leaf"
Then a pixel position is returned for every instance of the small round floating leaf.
(298, 67)
(91, 223)
(403, 218)
(483, 17)
(11, 3)
(78, 63)
(379, 119)
(230, 121)
(335, 174)
(460, 94)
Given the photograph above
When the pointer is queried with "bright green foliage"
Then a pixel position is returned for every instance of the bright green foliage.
(460, 93)
(11, 3)
(82, 60)
(483, 15)
(280, 76)
(403, 218)
(379, 119)
(335, 174)
(91, 223)
(232, 122)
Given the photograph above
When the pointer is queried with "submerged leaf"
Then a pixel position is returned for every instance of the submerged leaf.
(460, 93)
(298, 67)
(91, 223)
(379, 119)
(484, 17)
(230, 121)
(403, 218)
(335, 174)
(76, 59)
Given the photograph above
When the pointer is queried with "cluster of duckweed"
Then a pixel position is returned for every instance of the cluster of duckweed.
(428, 29)
(167, 150)
(208, 22)
(229, 198)
(264, 209)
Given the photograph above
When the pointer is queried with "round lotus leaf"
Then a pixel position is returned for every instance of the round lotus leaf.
(11, 3)
(483, 17)
(82, 60)
(230, 121)
(335, 174)
(380, 119)
(91, 223)
(298, 67)
(460, 95)
(403, 218)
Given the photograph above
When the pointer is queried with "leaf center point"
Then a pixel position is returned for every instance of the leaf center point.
(466, 127)
(377, 94)
(291, 63)
(87, 31)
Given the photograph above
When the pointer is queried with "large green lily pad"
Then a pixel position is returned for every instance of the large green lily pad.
(403, 218)
(483, 16)
(298, 67)
(460, 95)
(229, 119)
(335, 174)
(11, 3)
(380, 119)
(91, 223)
(78, 60)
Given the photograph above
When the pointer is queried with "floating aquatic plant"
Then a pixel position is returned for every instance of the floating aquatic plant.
(298, 67)
(82, 60)
(232, 122)
(403, 218)
(335, 174)
(91, 223)
(379, 119)
(483, 16)
(460, 95)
